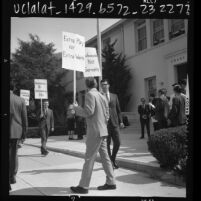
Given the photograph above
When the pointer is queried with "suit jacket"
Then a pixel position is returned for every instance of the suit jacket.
(144, 111)
(18, 117)
(162, 109)
(115, 111)
(47, 120)
(96, 112)
(177, 114)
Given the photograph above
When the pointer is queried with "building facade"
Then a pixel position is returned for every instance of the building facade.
(156, 51)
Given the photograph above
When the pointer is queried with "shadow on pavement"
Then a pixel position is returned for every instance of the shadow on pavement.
(137, 179)
(56, 170)
(42, 191)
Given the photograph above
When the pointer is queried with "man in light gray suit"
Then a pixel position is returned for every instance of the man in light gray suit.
(96, 112)
(18, 129)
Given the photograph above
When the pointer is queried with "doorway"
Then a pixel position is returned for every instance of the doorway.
(181, 71)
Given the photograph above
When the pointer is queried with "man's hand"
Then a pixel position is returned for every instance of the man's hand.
(41, 115)
(75, 104)
(52, 129)
(122, 125)
(23, 137)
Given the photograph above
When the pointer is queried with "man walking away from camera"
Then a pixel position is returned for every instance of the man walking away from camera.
(96, 112)
(18, 129)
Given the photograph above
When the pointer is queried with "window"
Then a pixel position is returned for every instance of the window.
(158, 31)
(141, 35)
(176, 27)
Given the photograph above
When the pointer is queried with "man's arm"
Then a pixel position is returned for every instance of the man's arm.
(24, 120)
(52, 120)
(89, 107)
(119, 113)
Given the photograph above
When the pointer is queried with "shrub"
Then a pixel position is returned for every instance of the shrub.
(169, 147)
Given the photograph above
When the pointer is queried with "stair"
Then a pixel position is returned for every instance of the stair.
(133, 120)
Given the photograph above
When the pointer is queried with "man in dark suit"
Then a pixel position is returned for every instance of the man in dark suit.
(145, 114)
(162, 109)
(18, 129)
(114, 122)
(46, 124)
(177, 114)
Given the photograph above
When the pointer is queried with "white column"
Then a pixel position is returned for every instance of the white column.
(148, 31)
(166, 30)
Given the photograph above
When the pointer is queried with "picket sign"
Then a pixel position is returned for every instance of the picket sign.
(25, 94)
(92, 67)
(40, 89)
(73, 55)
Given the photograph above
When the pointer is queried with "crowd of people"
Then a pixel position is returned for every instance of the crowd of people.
(103, 120)
(163, 111)
(103, 117)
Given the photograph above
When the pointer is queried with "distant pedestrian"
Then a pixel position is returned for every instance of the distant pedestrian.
(162, 109)
(177, 113)
(96, 112)
(152, 105)
(18, 129)
(80, 127)
(71, 121)
(182, 83)
(115, 122)
(145, 113)
(172, 95)
(46, 125)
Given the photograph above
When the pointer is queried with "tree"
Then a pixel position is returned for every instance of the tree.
(36, 60)
(117, 72)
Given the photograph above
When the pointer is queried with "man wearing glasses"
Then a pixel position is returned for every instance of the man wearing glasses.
(115, 121)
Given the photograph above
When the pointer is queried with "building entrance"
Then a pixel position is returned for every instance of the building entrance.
(181, 71)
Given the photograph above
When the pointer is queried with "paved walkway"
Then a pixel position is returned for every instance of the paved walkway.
(54, 174)
(133, 153)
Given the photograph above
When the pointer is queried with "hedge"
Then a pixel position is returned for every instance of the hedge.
(169, 147)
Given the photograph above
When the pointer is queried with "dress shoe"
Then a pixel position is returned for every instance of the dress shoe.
(115, 166)
(12, 180)
(79, 189)
(44, 153)
(141, 137)
(70, 138)
(107, 187)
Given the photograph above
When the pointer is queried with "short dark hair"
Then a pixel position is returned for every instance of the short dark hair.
(177, 89)
(45, 100)
(161, 91)
(152, 95)
(12, 85)
(183, 81)
(105, 80)
(91, 82)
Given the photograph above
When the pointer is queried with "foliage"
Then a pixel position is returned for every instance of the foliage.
(169, 147)
(117, 72)
(36, 60)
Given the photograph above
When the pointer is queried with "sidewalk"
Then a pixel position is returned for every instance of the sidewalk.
(133, 153)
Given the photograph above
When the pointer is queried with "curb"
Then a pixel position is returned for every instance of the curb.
(154, 172)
